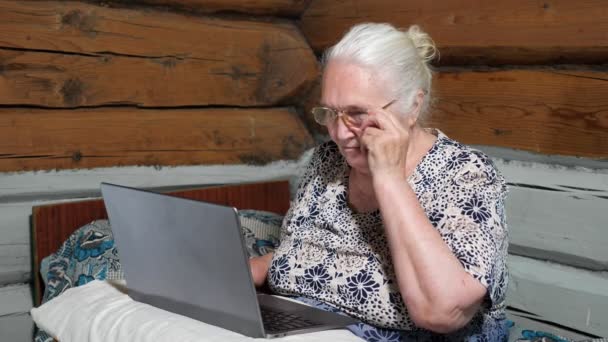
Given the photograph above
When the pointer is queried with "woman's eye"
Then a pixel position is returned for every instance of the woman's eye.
(356, 113)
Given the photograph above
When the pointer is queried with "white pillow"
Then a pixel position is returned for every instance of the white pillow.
(100, 311)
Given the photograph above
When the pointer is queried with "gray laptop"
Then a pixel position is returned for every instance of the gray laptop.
(188, 257)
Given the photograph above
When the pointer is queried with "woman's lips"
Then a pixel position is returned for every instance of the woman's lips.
(357, 148)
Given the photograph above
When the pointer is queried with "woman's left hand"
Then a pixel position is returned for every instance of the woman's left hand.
(386, 139)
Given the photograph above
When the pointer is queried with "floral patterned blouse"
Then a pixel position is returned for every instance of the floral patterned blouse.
(332, 254)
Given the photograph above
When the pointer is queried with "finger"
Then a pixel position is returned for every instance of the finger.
(370, 121)
(366, 141)
(386, 119)
(368, 138)
(373, 131)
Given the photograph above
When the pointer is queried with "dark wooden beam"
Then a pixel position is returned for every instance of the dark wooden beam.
(34, 139)
(478, 32)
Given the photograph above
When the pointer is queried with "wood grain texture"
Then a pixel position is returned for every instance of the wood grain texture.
(15, 262)
(289, 8)
(15, 299)
(17, 327)
(34, 139)
(556, 212)
(546, 111)
(478, 32)
(33, 186)
(564, 295)
(70, 54)
(562, 226)
(52, 224)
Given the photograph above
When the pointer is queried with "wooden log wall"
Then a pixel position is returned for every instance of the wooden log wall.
(527, 82)
(163, 88)
(147, 93)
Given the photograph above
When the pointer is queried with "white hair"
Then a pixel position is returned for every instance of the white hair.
(401, 57)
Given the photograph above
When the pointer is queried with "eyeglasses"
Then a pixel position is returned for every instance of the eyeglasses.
(326, 116)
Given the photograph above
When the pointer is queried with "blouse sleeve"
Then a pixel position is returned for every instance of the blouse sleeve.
(473, 223)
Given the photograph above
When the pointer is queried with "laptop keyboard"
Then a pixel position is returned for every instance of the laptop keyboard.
(275, 321)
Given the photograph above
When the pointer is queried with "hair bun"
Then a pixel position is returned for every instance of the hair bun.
(423, 43)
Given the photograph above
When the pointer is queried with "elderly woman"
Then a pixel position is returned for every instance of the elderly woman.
(394, 224)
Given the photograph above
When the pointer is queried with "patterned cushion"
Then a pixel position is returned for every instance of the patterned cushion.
(260, 230)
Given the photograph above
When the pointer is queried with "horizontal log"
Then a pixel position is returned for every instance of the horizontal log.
(34, 139)
(478, 32)
(15, 249)
(15, 263)
(545, 111)
(60, 80)
(17, 327)
(15, 299)
(559, 294)
(556, 212)
(563, 226)
(16, 187)
(289, 8)
(69, 54)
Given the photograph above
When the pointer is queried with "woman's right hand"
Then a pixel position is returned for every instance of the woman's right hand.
(259, 268)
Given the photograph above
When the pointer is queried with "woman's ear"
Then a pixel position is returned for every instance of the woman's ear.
(416, 107)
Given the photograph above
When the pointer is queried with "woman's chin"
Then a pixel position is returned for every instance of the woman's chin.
(355, 158)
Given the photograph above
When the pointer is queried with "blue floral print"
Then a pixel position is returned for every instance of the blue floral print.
(317, 277)
(361, 285)
(476, 209)
(332, 254)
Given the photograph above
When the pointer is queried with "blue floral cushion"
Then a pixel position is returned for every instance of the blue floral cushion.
(261, 231)
(88, 254)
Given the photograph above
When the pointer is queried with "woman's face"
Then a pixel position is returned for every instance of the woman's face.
(347, 86)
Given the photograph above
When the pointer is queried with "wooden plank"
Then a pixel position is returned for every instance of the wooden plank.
(546, 111)
(16, 328)
(15, 299)
(289, 8)
(552, 174)
(40, 139)
(15, 263)
(58, 80)
(148, 58)
(556, 212)
(66, 184)
(566, 227)
(15, 249)
(478, 32)
(560, 294)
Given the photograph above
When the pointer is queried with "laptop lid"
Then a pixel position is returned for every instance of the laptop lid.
(184, 256)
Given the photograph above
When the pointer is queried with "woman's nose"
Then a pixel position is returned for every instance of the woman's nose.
(339, 130)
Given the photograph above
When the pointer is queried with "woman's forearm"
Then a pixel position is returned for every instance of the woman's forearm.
(433, 283)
